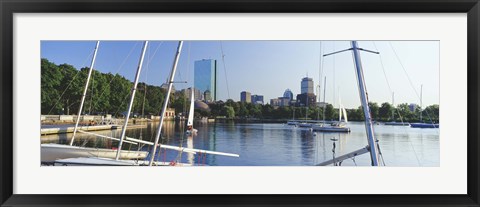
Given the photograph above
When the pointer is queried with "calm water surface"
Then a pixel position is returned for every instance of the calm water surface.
(271, 144)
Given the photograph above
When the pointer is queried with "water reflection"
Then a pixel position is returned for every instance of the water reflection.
(272, 144)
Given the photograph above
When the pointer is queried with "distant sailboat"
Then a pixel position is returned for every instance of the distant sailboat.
(393, 122)
(339, 126)
(190, 129)
(305, 124)
(422, 124)
(292, 122)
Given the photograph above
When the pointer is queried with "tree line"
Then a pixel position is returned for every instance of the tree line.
(384, 112)
(62, 87)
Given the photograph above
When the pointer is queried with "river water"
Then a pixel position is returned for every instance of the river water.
(273, 144)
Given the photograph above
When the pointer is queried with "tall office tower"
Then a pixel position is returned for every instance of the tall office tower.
(245, 97)
(307, 85)
(205, 72)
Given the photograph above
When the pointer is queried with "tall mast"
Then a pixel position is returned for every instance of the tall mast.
(421, 104)
(319, 80)
(293, 112)
(393, 105)
(306, 102)
(372, 146)
(84, 93)
(372, 142)
(317, 105)
(324, 104)
(164, 108)
(339, 107)
(134, 89)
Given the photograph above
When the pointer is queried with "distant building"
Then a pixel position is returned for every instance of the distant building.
(306, 85)
(188, 92)
(165, 87)
(412, 107)
(288, 94)
(280, 101)
(257, 99)
(169, 115)
(245, 97)
(306, 99)
(284, 101)
(275, 102)
(205, 75)
(293, 102)
(207, 96)
(321, 104)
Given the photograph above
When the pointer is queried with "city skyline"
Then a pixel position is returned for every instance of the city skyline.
(268, 68)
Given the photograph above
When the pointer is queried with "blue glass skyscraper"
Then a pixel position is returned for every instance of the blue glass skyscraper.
(206, 77)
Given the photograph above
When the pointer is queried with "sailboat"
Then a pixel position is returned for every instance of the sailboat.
(293, 121)
(422, 124)
(393, 122)
(339, 126)
(51, 152)
(190, 129)
(83, 161)
(305, 124)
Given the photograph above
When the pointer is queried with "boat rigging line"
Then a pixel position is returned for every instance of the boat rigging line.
(398, 111)
(84, 93)
(164, 108)
(70, 83)
(225, 69)
(116, 72)
(372, 146)
(411, 84)
(130, 105)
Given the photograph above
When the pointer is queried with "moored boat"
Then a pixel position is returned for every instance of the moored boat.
(330, 128)
(52, 152)
(393, 123)
(424, 125)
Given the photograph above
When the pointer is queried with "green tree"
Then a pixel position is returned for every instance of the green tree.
(330, 112)
(256, 111)
(267, 111)
(122, 88)
(404, 111)
(243, 111)
(432, 112)
(180, 103)
(374, 109)
(385, 111)
(51, 78)
(229, 112)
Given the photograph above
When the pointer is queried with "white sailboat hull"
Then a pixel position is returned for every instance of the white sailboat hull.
(98, 161)
(305, 125)
(52, 152)
(330, 129)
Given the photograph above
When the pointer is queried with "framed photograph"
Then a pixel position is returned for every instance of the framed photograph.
(201, 103)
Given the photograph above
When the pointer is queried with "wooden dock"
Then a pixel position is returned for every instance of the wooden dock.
(69, 129)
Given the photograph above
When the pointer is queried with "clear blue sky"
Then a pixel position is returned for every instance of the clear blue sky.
(269, 67)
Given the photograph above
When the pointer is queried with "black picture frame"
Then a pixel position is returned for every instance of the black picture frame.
(9, 7)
